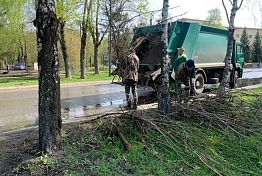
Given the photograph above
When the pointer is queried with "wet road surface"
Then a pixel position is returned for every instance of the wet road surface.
(19, 107)
(252, 73)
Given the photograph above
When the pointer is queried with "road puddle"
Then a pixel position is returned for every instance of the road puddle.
(67, 112)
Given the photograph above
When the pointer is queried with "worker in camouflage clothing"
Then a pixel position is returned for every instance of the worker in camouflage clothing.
(184, 76)
(131, 78)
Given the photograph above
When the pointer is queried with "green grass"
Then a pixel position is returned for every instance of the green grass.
(232, 155)
(26, 80)
(196, 149)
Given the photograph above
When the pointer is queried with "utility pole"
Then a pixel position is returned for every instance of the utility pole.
(164, 99)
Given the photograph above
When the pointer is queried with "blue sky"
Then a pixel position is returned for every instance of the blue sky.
(198, 9)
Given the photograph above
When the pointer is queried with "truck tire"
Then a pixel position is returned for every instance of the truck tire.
(199, 83)
(234, 82)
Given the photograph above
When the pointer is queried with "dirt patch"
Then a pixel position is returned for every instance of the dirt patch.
(16, 148)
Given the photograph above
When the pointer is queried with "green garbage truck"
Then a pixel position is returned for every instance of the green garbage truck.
(205, 45)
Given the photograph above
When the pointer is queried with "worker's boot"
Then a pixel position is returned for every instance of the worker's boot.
(128, 106)
(135, 103)
(135, 107)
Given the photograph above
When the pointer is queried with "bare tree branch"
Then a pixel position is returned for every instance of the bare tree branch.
(226, 11)
(103, 35)
(173, 17)
(240, 5)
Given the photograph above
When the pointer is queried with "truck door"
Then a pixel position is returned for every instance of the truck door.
(239, 56)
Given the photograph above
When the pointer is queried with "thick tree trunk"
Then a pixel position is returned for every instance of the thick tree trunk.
(228, 64)
(96, 59)
(164, 99)
(49, 81)
(64, 50)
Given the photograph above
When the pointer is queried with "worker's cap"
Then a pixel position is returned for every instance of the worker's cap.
(190, 64)
(181, 48)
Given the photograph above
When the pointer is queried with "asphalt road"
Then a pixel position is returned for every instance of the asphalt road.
(19, 107)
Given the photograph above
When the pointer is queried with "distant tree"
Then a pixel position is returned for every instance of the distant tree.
(49, 107)
(12, 33)
(84, 29)
(65, 12)
(97, 29)
(235, 6)
(214, 18)
(256, 49)
(121, 15)
(245, 43)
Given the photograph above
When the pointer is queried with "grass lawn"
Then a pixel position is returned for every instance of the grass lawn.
(194, 149)
(26, 80)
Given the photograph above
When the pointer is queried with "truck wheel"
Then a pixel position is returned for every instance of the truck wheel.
(199, 83)
(234, 83)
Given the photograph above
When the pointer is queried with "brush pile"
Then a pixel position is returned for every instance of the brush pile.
(181, 133)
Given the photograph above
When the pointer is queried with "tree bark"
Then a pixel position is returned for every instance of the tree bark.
(83, 43)
(110, 38)
(96, 40)
(25, 54)
(49, 108)
(64, 50)
(164, 99)
(96, 59)
(228, 64)
(82, 53)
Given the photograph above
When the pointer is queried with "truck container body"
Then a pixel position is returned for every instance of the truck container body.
(205, 45)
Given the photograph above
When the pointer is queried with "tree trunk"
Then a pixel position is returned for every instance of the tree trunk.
(228, 64)
(110, 38)
(96, 59)
(24, 50)
(64, 50)
(82, 52)
(96, 40)
(25, 54)
(83, 43)
(49, 108)
(164, 99)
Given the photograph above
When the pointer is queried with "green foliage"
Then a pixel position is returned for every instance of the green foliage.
(214, 18)
(257, 50)
(67, 10)
(245, 43)
(11, 26)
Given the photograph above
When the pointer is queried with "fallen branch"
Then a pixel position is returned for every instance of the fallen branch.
(124, 141)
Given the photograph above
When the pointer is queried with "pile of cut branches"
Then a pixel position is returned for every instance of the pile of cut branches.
(237, 113)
